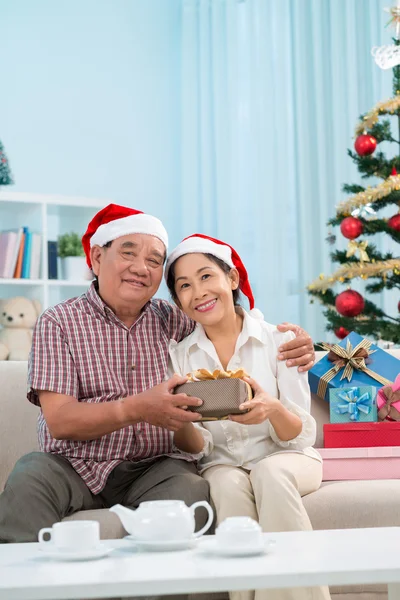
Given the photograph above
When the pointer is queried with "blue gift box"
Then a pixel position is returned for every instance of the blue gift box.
(353, 404)
(379, 362)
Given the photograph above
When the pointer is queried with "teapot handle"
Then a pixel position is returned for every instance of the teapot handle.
(210, 516)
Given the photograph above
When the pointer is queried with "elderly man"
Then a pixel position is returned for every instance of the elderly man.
(97, 369)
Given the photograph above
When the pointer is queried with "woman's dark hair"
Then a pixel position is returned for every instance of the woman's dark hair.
(220, 263)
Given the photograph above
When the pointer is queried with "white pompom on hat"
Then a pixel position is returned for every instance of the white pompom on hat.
(203, 244)
(115, 221)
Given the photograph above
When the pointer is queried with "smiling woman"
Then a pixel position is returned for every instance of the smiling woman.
(259, 463)
(204, 290)
(217, 261)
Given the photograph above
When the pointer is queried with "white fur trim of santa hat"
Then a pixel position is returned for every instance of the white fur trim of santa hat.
(140, 223)
(194, 245)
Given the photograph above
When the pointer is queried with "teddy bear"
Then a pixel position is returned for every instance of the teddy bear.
(17, 318)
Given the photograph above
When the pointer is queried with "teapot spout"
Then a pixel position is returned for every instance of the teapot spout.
(126, 515)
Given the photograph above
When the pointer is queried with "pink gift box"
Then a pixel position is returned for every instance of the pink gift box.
(381, 399)
(360, 463)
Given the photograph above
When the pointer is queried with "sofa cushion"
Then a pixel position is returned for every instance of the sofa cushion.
(353, 504)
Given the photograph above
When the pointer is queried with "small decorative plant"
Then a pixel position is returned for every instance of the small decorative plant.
(69, 244)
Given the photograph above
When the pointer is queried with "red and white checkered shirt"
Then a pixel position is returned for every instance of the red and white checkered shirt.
(81, 349)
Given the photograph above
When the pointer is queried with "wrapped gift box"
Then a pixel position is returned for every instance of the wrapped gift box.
(388, 402)
(221, 397)
(360, 463)
(361, 435)
(379, 362)
(356, 404)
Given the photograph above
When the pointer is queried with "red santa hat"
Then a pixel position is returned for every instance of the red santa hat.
(199, 243)
(115, 221)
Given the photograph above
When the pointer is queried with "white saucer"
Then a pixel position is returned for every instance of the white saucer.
(212, 547)
(162, 545)
(99, 552)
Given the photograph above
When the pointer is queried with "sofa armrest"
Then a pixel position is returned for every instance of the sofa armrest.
(17, 417)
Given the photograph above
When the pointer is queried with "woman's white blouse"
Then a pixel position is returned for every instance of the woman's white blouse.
(229, 443)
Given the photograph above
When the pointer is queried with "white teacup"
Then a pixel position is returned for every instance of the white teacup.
(241, 532)
(72, 536)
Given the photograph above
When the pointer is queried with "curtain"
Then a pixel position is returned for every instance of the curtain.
(271, 91)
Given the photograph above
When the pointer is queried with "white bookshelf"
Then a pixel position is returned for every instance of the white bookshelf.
(51, 216)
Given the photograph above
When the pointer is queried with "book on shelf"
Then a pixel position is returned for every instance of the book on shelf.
(8, 243)
(52, 259)
(26, 260)
(36, 252)
(14, 258)
(20, 253)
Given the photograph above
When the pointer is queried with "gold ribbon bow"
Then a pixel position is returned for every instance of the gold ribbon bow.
(348, 358)
(388, 410)
(203, 374)
(361, 247)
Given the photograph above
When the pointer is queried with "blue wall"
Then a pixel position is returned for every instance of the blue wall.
(89, 98)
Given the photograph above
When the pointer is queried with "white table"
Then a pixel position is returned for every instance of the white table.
(338, 557)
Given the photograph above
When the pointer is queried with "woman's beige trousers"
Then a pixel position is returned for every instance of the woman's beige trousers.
(271, 494)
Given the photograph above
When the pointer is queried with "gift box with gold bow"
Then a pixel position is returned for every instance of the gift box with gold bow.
(355, 361)
(388, 401)
(353, 404)
(222, 392)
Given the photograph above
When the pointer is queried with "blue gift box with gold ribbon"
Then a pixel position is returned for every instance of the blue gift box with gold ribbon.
(353, 404)
(355, 362)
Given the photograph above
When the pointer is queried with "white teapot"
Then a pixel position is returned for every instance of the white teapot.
(162, 520)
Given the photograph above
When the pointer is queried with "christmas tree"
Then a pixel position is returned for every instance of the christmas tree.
(358, 219)
(5, 173)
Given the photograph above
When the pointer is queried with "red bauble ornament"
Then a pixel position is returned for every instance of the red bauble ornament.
(349, 303)
(394, 222)
(398, 306)
(365, 144)
(351, 228)
(341, 332)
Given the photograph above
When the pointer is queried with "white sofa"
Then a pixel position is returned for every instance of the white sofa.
(336, 505)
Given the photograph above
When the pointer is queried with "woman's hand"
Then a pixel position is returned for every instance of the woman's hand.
(262, 407)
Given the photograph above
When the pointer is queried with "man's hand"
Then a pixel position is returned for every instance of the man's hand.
(160, 407)
(298, 352)
(262, 407)
(68, 419)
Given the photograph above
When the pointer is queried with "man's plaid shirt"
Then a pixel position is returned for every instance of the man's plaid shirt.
(81, 349)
